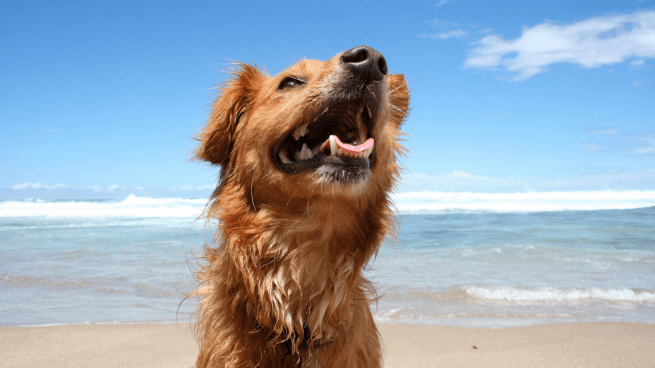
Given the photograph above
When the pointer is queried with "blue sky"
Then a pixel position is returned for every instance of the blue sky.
(103, 98)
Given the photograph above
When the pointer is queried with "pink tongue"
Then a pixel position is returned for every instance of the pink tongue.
(354, 149)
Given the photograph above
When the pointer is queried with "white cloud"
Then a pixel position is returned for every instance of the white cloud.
(642, 145)
(438, 23)
(443, 2)
(189, 187)
(111, 188)
(21, 186)
(56, 186)
(493, 114)
(590, 43)
(640, 83)
(605, 132)
(649, 141)
(114, 187)
(592, 147)
(95, 188)
(461, 181)
(458, 33)
(32, 190)
(30, 185)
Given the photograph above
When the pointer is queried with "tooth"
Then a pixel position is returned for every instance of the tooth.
(316, 149)
(283, 157)
(362, 133)
(333, 146)
(306, 153)
(300, 131)
(303, 129)
(367, 152)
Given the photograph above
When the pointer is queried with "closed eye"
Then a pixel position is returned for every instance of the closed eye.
(290, 82)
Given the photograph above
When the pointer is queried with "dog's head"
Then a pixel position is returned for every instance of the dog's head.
(315, 127)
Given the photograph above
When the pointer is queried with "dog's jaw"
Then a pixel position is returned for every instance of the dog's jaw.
(337, 144)
(336, 140)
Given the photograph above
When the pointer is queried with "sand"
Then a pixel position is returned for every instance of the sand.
(172, 345)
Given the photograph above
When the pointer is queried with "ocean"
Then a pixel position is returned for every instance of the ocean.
(459, 259)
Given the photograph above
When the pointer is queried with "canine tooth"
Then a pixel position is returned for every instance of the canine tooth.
(283, 157)
(333, 146)
(367, 152)
(362, 133)
(362, 129)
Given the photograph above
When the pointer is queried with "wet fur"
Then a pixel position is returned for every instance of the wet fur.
(283, 284)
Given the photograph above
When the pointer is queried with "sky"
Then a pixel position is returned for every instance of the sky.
(103, 99)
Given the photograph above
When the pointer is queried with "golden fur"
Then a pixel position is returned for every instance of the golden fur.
(283, 285)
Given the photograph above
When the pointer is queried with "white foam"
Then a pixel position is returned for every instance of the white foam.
(551, 294)
(131, 206)
(407, 203)
(426, 201)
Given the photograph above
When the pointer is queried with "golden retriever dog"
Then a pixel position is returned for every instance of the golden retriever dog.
(308, 159)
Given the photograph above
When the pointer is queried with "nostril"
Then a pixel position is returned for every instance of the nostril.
(382, 65)
(356, 55)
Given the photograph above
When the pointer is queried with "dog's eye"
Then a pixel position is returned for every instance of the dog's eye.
(290, 82)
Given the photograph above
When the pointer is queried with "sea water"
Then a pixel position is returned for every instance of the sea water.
(456, 259)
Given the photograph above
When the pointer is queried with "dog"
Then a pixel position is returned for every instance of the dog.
(307, 161)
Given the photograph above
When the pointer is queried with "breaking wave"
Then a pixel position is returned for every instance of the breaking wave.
(552, 294)
(427, 202)
(131, 206)
(406, 203)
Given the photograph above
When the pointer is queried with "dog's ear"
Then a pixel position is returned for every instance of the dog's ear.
(398, 97)
(233, 102)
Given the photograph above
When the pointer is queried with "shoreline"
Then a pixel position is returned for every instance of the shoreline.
(600, 344)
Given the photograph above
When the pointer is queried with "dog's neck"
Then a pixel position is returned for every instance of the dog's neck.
(303, 272)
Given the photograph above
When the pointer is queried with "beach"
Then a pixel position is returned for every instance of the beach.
(172, 345)
(96, 283)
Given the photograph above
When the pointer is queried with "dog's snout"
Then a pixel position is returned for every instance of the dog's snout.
(366, 61)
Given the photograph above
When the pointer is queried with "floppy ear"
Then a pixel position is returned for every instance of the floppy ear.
(234, 100)
(398, 97)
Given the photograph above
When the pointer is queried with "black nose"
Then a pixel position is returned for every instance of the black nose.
(366, 61)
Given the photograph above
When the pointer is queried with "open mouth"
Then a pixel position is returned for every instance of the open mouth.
(339, 136)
